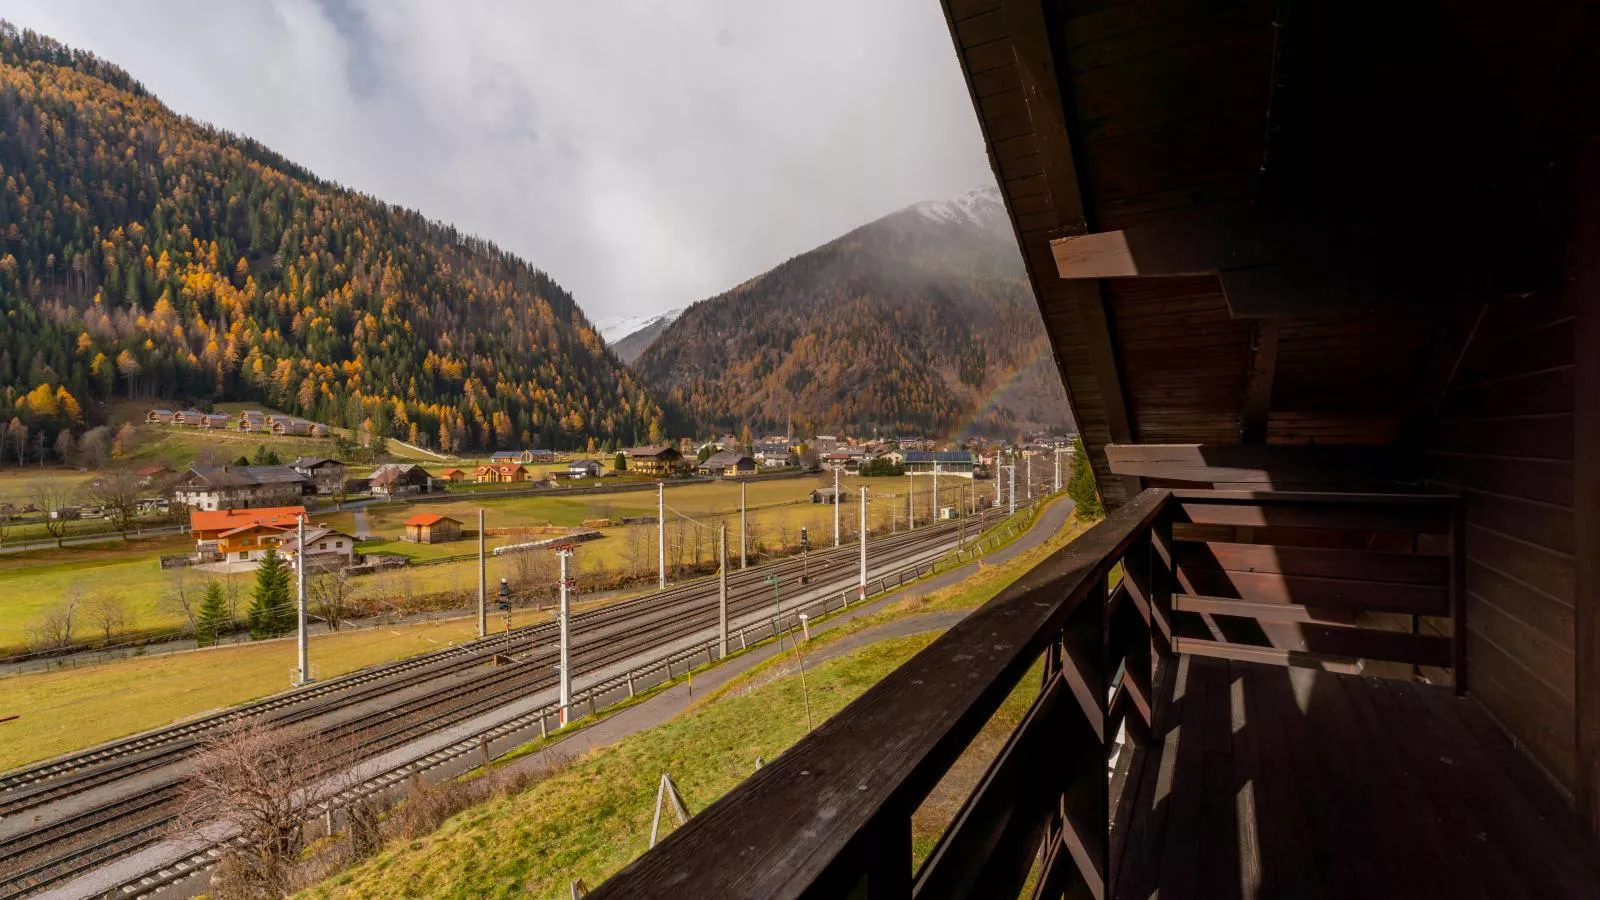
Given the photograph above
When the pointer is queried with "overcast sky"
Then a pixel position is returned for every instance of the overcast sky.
(646, 153)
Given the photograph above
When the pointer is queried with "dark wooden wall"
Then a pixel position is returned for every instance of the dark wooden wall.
(1504, 439)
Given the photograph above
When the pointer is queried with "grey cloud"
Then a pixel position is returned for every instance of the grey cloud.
(646, 154)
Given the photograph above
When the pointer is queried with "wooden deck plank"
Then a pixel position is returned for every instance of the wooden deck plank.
(1269, 783)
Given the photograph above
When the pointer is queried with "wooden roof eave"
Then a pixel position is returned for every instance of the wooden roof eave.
(991, 36)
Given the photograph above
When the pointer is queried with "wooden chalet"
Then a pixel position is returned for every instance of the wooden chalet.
(1323, 283)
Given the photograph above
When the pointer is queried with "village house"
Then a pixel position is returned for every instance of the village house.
(772, 454)
(432, 528)
(187, 417)
(241, 535)
(240, 487)
(148, 475)
(653, 461)
(326, 548)
(253, 420)
(955, 462)
(728, 462)
(830, 496)
(502, 473)
(583, 468)
(326, 474)
(451, 475)
(399, 479)
(845, 459)
(159, 416)
(525, 457)
(292, 426)
(215, 420)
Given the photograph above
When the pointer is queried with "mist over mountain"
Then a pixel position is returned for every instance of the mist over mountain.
(921, 321)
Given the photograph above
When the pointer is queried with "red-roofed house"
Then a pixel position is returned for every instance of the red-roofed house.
(242, 535)
(432, 528)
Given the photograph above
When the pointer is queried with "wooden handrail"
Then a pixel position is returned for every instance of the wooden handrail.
(833, 813)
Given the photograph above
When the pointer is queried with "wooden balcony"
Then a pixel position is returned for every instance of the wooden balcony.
(1228, 694)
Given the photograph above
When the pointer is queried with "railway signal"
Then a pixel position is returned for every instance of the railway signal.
(505, 607)
(805, 548)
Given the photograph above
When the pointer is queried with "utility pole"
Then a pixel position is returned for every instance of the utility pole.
(936, 511)
(1058, 470)
(836, 501)
(566, 638)
(997, 468)
(661, 535)
(483, 582)
(863, 543)
(722, 591)
(911, 501)
(1013, 468)
(744, 532)
(1029, 457)
(300, 571)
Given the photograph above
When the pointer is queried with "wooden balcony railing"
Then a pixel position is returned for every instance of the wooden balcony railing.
(832, 816)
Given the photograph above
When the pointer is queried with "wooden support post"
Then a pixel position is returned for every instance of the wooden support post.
(1258, 383)
(1585, 286)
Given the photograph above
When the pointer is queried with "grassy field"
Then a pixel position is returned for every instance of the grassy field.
(38, 579)
(593, 818)
(75, 708)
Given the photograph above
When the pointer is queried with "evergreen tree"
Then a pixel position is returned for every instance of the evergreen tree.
(213, 619)
(270, 609)
(260, 458)
(1080, 485)
(621, 463)
(242, 461)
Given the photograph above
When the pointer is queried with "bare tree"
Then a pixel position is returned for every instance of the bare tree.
(94, 447)
(534, 574)
(117, 492)
(53, 630)
(66, 447)
(17, 436)
(260, 781)
(634, 550)
(182, 596)
(108, 612)
(330, 596)
(49, 496)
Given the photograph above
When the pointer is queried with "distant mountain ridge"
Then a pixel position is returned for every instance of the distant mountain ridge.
(628, 336)
(920, 321)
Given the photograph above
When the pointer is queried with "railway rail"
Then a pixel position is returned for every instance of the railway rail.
(60, 850)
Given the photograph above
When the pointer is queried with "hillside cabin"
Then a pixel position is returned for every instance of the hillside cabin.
(319, 430)
(291, 426)
(1322, 284)
(216, 421)
(727, 463)
(432, 528)
(653, 461)
(526, 457)
(392, 480)
(830, 496)
(240, 487)
(251, 420)
(584, 468)
(149, 475)
(189, 417)
(451, 475)
(502, 473)
(326, 548)
(326, 474)
(159, 416)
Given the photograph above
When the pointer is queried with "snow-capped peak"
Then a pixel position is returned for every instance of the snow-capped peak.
(615, 328)
(978, 207)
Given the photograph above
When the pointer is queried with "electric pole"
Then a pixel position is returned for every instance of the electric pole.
(1013, 469)
(1058, 470)
(722, 591)
(836, 500)
(863, 543)
(911, 501)
(300, 571)
(997, 468)
(744, 532)
(566, 638)
(661, 535)
(936, 510)
(1029, 457)
(483, 582)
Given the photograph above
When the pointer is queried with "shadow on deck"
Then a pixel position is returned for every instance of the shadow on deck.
(1267, 782)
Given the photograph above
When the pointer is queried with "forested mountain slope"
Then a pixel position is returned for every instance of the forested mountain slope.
(146, 255)
(921, 321)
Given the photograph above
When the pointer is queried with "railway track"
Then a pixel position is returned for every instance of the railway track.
(67, 847)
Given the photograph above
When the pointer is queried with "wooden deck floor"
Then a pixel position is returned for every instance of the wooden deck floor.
(1265, 782)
